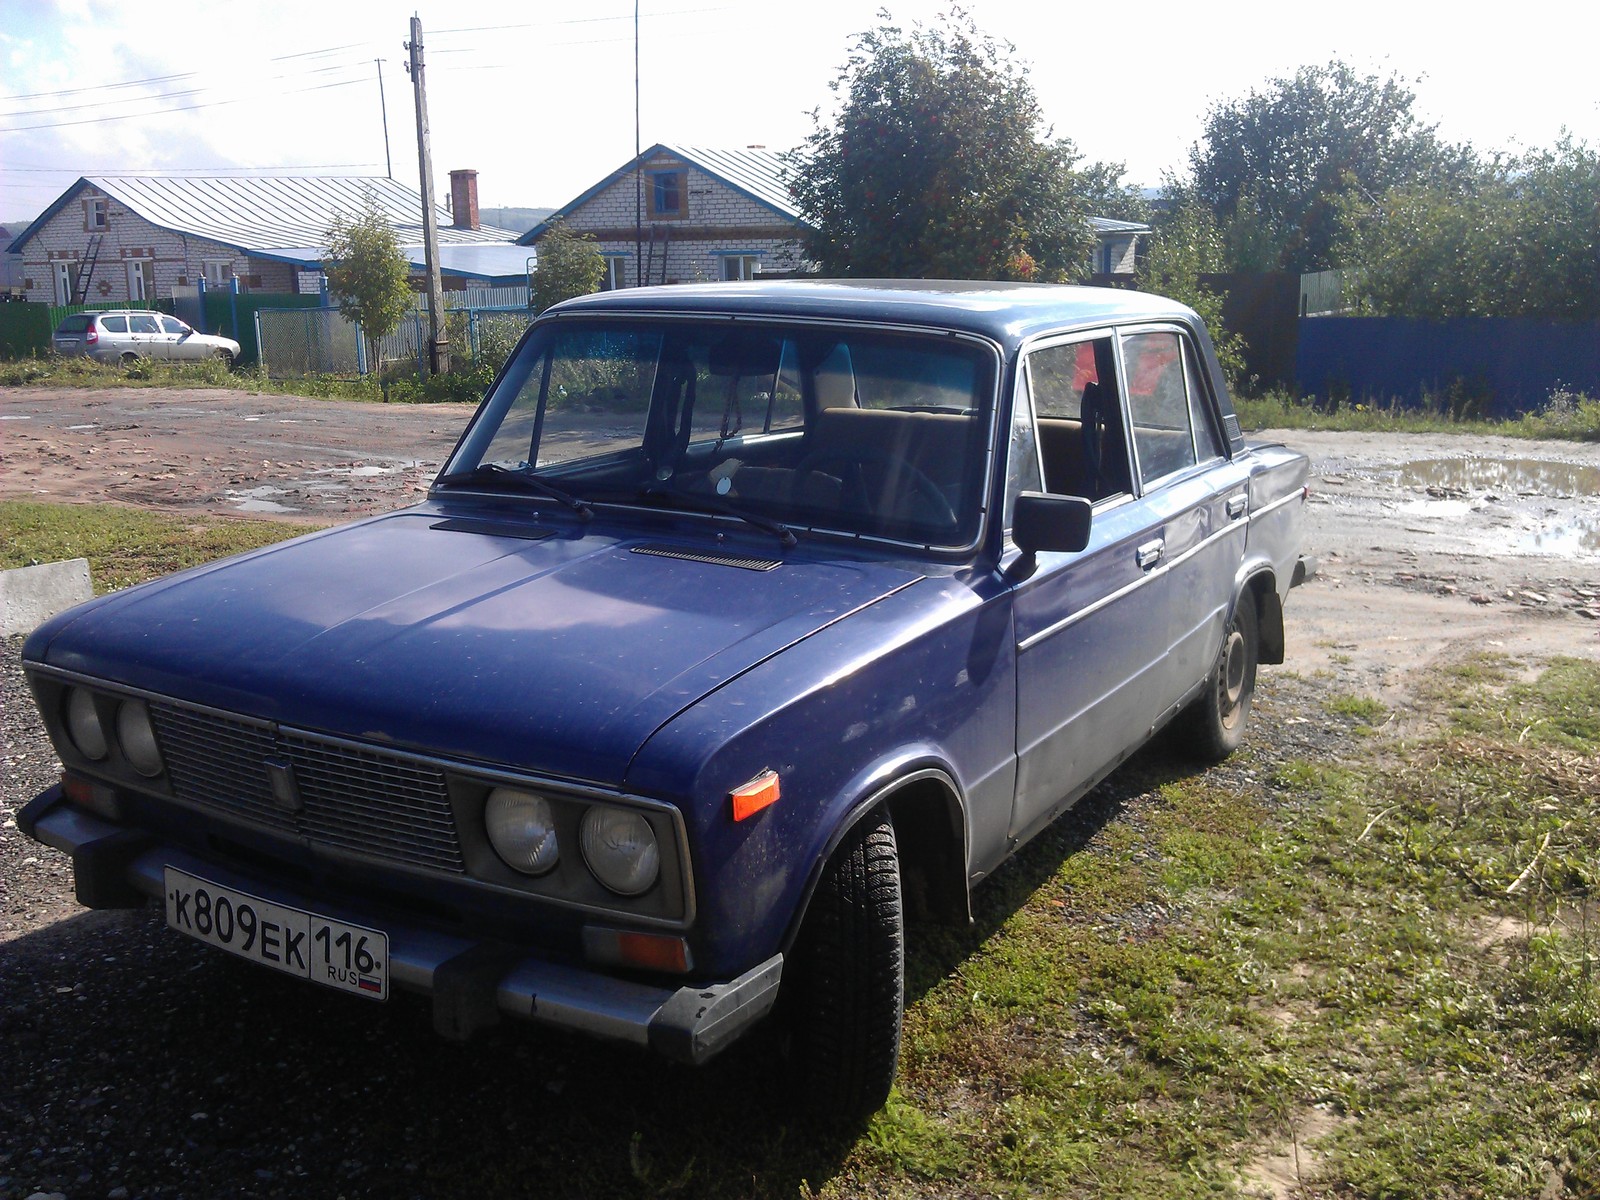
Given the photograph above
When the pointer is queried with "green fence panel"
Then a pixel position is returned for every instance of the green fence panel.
(24, 330)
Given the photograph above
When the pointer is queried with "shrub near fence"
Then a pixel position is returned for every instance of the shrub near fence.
(1482, 366)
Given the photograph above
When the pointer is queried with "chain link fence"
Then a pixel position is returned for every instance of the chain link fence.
(299, 342)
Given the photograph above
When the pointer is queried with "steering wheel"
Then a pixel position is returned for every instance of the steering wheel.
(853, 474)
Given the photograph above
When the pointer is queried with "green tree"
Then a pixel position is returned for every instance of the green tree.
(1520, 240)
(936, 165)
(569, 265)
(1187, 244)
(367, 273)
(1283, 156)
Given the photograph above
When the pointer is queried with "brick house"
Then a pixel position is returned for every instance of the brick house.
(132, 238)
(690, 215)
(677, 214)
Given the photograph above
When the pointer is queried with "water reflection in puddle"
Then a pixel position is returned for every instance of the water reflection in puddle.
(1461, 485)
(1517, 476)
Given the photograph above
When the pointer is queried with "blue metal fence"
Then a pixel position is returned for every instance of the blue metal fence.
(1508, 366)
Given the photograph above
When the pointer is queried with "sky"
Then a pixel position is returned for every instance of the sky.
(539, 98)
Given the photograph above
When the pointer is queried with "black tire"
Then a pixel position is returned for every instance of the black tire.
(1214, 723)
(847, 973)
(225, 357)
(129, 358)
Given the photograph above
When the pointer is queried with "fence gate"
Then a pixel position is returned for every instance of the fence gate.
(307, 341)
(188, 305)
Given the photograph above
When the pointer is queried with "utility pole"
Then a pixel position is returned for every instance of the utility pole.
(383, 106)
(438, 335)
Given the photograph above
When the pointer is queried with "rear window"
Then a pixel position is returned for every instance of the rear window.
(114, 324)
(77, 323)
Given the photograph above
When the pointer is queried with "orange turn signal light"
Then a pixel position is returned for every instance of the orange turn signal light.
(761, 792)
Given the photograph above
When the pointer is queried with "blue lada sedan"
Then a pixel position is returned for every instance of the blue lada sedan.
(743, 619)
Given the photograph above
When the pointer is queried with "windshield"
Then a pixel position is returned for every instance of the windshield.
(856, 431)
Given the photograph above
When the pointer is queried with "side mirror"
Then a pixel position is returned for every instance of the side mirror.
(1045, 522)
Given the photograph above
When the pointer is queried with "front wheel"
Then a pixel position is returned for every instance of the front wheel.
(225, 357)
(1213, 724)
(849, 978)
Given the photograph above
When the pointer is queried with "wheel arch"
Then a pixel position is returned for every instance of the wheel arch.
(1262, 585)
(928, 811)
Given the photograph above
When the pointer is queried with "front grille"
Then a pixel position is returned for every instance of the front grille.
(369, 801)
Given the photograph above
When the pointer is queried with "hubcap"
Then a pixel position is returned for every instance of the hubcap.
(1233, 666)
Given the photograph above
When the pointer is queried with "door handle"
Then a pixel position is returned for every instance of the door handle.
(1237, 505)
(1150, 553)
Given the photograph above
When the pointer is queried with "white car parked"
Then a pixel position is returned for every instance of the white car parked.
(126, 336)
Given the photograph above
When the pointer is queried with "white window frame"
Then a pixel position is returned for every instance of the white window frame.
(616, 276)
(744, 266)
(98, 217)
(216, 271)
(141, 279)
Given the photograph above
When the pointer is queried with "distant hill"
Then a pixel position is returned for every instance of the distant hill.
(520, 219)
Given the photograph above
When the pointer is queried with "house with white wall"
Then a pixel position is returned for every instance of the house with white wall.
(682, 214)
(136, 237)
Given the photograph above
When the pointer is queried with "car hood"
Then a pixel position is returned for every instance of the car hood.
(557, 656)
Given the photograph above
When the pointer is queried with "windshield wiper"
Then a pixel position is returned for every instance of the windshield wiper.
(522, 478)
(691, 503)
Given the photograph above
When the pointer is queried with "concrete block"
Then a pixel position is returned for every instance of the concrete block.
(31, 595)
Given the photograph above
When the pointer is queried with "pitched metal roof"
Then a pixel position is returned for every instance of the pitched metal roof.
(1104, 225)
(267, 213)
(759, 174)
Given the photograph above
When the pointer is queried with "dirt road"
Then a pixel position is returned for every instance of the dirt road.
(1430, 545)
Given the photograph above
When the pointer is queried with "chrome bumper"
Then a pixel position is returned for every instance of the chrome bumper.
(471, 983)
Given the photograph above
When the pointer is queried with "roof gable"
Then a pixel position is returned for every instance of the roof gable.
(758, 174)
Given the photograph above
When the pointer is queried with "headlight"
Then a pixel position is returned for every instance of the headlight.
(620, 848)
(138, 739)
(83, 724)
(522, 830)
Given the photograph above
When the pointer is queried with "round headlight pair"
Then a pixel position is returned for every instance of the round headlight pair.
(135, 735)
(617, 844)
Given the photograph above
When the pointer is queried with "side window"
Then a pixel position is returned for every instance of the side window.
(173, 325)
(1158, 399)
(1082, 445)
(114, 324)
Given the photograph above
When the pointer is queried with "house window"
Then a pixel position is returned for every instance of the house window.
(740, 266)
(99, 216)
(217, 271)
(616, 273)
(66, 281)
(141, 279)
(667, 194)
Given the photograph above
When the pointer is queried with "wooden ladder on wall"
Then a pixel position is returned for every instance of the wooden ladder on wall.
(86, 272)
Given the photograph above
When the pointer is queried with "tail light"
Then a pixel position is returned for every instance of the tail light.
(91, 335)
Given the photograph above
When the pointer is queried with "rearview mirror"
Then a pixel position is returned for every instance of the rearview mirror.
(1045, 522)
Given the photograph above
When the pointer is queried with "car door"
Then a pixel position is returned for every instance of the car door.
(1091, 627)
(178, 340)
(144, 333)
(1197, 503)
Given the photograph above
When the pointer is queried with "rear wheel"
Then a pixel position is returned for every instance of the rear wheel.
(129, 358)
(1213, 725)
(848, 978)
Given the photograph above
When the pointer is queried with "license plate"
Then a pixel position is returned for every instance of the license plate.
(350, 958)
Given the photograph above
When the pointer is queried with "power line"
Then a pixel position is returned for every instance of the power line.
(156, 112)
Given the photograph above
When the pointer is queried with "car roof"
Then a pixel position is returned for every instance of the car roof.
(1005, 312)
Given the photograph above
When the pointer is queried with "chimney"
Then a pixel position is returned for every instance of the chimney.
(464, 199)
